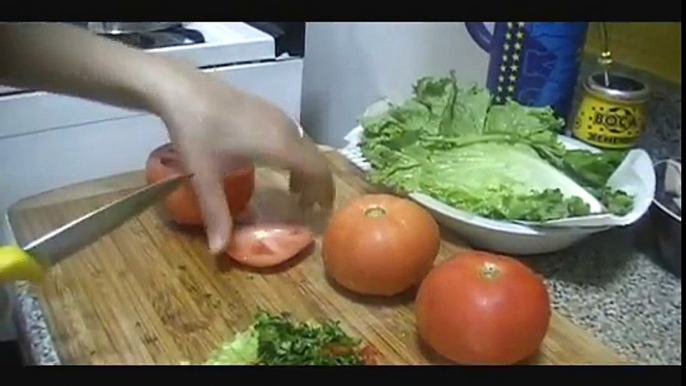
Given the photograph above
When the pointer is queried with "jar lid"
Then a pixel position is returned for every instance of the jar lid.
(621, 87)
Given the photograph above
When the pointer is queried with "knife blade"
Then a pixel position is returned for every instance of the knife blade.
(68, 239)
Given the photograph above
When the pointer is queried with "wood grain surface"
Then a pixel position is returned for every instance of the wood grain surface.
(151, 293)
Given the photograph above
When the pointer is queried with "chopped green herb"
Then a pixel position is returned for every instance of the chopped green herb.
(278, 340)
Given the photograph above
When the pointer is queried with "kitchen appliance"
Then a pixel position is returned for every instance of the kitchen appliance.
(215, 44)
(119, 27)
(665, 214)
(49, 140)
(534, 63)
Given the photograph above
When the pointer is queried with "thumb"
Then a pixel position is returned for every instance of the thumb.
(207, 183)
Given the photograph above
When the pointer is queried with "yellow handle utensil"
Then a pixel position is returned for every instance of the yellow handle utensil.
(32, 261)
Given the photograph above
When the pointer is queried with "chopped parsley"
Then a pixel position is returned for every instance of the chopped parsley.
(278, 340)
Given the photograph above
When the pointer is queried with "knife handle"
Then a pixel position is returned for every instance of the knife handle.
(16, 264)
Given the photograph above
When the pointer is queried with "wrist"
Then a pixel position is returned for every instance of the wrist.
(166, 84)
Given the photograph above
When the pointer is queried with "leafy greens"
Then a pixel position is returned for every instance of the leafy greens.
(503, 162)
(277, 340)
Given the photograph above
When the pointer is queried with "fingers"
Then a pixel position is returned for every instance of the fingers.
(295, 181)
(207, 183)
(310, 175)
(275, 137)
(313, 188)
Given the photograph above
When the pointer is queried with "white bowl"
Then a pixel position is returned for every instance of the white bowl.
(505, 237)
(502, 236)
(499, 236)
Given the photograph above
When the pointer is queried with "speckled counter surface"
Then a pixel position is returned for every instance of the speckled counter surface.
(34, 334)
(614, 284)
(611, 284)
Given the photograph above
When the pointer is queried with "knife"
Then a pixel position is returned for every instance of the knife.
(32, 261)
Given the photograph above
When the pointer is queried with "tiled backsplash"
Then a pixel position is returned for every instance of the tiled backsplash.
(654, 46)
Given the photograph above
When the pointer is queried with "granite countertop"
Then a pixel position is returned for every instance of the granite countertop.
(614, 284)
(610, 284)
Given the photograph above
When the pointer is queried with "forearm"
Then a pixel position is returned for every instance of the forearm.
(68, 60)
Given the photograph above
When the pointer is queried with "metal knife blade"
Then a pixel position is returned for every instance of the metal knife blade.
(63, 242)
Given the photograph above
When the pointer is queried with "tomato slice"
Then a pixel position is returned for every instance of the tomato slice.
(370, 355)
(268, 245)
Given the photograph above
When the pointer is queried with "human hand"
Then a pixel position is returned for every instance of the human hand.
(208, 120)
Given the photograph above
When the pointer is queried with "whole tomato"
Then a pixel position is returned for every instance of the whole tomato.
(380, 244)
(483, 308)
(182, 205)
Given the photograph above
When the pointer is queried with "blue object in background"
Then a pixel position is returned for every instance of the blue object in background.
(534, 63)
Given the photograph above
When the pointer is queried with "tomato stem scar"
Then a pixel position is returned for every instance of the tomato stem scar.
(489, 271)
(375, 211)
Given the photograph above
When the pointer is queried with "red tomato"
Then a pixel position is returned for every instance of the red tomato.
(379, 244)
(268, 245)
(482, 308)
(370, 355)
(182, 205)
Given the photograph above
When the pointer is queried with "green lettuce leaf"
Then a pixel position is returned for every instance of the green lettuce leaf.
(499, 161)
(500, 181)
(242, 350)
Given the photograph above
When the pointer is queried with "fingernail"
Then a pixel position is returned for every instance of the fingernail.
(217, 244)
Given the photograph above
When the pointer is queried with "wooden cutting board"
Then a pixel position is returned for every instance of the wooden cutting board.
(150, 293)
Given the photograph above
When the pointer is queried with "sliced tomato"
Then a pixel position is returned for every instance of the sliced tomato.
(370, 355)
(268, 245)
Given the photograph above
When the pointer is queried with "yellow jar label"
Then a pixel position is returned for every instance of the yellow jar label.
(610, 125)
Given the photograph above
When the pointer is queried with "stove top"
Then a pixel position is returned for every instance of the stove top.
(171, 37)
(206, 44)
(213, 44)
